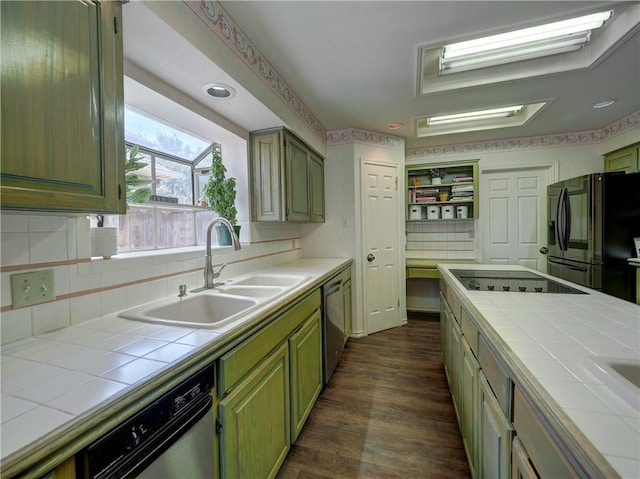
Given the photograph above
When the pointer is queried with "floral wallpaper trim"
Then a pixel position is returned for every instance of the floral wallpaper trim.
(561, 139)
(218, 20)
(355, 135)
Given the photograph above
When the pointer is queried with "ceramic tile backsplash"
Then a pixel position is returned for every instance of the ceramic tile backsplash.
(441, 239)
(87, 288)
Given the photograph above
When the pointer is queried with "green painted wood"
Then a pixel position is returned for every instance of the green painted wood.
(428, 273)
(287, 178)
(495, 433)
(62, 106)
(235, 364)
(305, 349)
(316, 186)
(267, 176)
(627, 160)
(348, 311)
(255, 418)
(469, 402)
(297, 168)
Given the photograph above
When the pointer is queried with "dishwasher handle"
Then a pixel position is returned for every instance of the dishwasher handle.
(333, 288)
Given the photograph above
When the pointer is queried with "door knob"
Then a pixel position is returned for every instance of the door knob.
(544, 250)
(370, 257)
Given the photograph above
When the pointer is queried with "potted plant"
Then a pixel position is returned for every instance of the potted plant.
(104, 240)
(220, 193)
(436, 175)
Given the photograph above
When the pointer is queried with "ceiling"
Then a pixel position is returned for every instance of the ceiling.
(355, 64)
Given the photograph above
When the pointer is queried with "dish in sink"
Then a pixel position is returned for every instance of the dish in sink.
(203, 310)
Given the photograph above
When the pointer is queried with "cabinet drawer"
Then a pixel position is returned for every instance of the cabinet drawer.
(469, 330)
(240, 360)
(427, 273)
(497, 377)
(545, 456)
(454, 304)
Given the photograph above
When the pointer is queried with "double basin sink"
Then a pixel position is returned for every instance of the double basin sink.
(218, 307)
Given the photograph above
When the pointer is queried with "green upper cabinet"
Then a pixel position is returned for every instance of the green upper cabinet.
(62, 106)
(627, 159)
(442, 191)
(287, 178)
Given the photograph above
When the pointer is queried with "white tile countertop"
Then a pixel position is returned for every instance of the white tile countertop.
(54, 385)
(551, 338)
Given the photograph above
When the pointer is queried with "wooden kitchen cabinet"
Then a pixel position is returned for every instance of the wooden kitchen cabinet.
(495, 433)
(469, 404)
(287, 178)
(305, 349)
(346, 296)
(255, 433)
(460, 183)
(626, 159)
(62, 106)
(267, 386)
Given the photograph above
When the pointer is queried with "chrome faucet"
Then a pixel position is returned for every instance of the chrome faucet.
(209, 273)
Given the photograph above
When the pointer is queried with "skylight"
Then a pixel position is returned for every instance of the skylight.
(542, 40)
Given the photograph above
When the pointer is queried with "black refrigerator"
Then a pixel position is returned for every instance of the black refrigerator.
(592, 223)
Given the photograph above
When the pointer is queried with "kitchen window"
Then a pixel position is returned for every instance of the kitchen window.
(178, 163)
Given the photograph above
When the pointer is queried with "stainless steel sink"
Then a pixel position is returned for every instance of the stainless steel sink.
(621, 375)
(208, 310)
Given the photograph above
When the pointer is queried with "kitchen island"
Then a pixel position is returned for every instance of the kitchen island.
(63, 390)
(546, 345)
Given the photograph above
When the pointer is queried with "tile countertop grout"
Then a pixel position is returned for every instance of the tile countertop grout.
(546, 339)
(102, 370)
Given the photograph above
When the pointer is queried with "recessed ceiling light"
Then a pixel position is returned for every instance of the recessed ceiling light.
(604, 104)
(395, 126)
(219, 91)
(475, 115)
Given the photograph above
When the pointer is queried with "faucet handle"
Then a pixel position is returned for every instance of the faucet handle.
(182, 290)
(216, 274)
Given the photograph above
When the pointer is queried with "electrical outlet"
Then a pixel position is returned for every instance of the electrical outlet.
(32, 288)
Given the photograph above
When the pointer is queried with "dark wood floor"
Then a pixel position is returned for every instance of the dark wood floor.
(386, 413)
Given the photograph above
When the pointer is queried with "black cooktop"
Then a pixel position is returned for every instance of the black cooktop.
(510, 281)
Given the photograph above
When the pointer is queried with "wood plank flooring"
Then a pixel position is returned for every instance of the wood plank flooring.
(386, 413)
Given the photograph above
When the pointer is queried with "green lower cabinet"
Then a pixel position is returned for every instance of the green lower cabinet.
(469, 402)
(255, 421)
(455, 384)
(305, 350)
(495, 433)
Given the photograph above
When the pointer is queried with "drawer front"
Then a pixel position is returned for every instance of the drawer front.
(538, 443)
(469, 330)
(239, 361)
(428, 273)
(497, 377)
(454, 304)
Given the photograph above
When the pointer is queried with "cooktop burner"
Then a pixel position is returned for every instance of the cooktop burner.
(510, 281)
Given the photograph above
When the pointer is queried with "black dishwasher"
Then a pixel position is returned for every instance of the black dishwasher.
(172, 437)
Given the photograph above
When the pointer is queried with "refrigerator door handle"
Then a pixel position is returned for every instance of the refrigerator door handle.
(575, 268)
(563, 220)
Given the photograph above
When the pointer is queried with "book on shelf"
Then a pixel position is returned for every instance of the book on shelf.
(461, 188)
(462, 179)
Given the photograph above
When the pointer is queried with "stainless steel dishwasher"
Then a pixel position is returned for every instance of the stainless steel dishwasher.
(333, 322)
(171, 438)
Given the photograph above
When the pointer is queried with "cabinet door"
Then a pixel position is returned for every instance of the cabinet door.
(469, 395)
(62, 106)
(267, 177)
(316, 185)
(346, 294)
(456, 369)
(255, 420)
(623, 160)
(297, 168)
(521, 467)
(305, 350)
(495, 433)
(445, 337)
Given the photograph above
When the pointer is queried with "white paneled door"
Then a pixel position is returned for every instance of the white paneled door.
(514, 211)
(381, 247)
